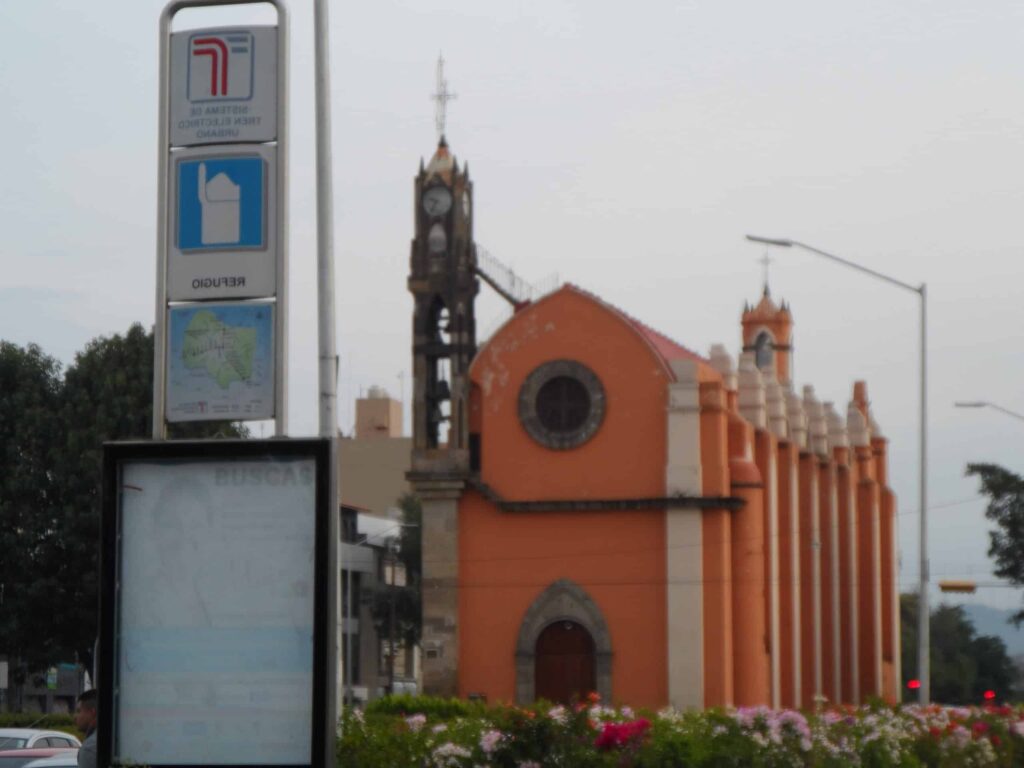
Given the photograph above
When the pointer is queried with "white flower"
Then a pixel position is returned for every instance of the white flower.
(415, 722)
(448, 754)
(489, 741)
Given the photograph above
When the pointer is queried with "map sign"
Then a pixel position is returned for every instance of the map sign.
(220, 362)
(215, 637)
(222, 234)
(223, 86)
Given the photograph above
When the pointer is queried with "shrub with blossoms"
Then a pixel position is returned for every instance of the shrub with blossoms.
(452, 734)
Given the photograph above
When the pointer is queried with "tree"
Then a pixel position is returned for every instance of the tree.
(963, 665)
(51, 436)
(30, 386)
(1006, 509)
(996, 671)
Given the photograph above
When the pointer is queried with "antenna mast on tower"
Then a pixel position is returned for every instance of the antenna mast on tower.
(441, 99)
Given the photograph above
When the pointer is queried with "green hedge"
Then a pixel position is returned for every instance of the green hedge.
(434, 708)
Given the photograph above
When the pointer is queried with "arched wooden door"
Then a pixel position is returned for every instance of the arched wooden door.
(564, 668)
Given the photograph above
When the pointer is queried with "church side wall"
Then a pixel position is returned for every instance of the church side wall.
(869, 611)
(828, 542)
(889, 569)
(789, 575)
(716, 541)
(810, 581)
(683, 541)
(767, 448)
(849, 681)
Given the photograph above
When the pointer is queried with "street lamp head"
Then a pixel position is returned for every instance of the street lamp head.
(770, 241)
(970, 404)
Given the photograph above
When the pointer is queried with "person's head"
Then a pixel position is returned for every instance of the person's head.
(85, 711)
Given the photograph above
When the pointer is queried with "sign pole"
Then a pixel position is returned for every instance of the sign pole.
(160, 325)
(281, 315)
(328, 364)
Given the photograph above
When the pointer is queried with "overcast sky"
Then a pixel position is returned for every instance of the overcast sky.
(628, 150)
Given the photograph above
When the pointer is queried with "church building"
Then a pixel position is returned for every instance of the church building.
(607, 510)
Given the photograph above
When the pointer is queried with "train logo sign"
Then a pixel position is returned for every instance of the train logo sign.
(220, 67)
(223, 86)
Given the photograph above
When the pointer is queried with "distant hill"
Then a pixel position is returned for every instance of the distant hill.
(992, 621)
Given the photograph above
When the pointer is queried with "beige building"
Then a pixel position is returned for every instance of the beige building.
(372, 467)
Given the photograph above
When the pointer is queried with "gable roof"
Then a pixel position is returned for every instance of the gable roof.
(667, 348)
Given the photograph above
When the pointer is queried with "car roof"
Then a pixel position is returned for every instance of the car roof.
(63, 760)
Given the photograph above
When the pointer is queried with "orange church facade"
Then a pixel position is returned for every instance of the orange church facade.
(614, 512)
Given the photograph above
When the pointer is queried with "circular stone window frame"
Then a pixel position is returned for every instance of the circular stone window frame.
(528, 417)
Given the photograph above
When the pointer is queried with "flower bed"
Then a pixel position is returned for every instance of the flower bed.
(436, 733)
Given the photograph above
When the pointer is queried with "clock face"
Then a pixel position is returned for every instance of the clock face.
(437, 201)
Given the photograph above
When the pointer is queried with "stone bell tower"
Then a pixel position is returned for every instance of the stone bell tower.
(444, 285)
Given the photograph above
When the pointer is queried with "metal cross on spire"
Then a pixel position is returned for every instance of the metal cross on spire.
(441, 99)
(765, 262)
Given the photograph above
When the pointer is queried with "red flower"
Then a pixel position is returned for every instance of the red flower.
(593, 697)
(936, 732)
(621, 734)
(980, 728)
(996, 741)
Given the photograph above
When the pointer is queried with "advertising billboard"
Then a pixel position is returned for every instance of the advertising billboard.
(215, 594)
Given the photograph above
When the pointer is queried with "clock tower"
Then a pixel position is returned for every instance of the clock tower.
(444, 285)
(443, 282)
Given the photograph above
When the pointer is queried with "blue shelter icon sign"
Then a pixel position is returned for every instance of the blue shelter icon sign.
(222, 203)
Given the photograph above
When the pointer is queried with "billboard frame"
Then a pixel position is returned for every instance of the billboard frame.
(118, 454)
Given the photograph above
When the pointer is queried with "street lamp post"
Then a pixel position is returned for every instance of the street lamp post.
(923, 639)
(986, 404)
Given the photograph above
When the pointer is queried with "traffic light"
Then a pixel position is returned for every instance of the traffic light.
(989, 695)
(913, 684)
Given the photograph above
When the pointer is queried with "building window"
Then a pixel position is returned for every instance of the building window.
(764, 350)
(349, 525)
(402, 669)
(561, 404)
(350, 650)
(350, 586)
